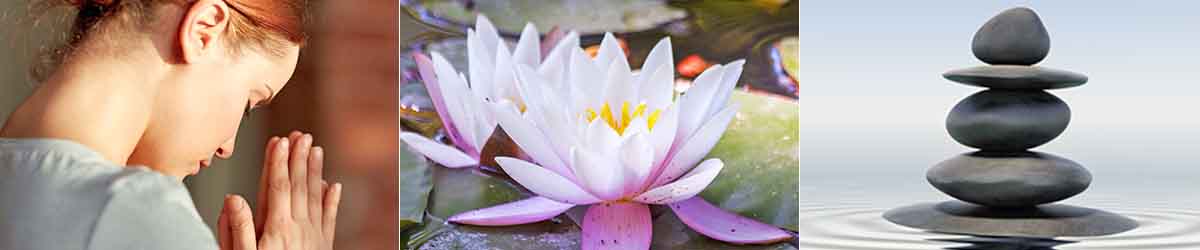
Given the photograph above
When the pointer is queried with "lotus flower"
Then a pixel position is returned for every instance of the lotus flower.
(460, 103)
(598, 135)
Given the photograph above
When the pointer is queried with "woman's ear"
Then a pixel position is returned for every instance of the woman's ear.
(204, 23)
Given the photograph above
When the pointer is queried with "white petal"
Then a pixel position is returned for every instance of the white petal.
(545, 183)
(487, 32)
(440, 153)
(648, 80)
(663, 134)
(610, 49)
(480, 64)
(548, 111)
(599, 173)
(450, 83)
(585, 81)
(636, 156)
(658, 89)
(733, 71)
(529, 138)
(694, 103)
(696, 147)
(685, 187)
(602, 138)
(504, 79)
(555, 66)
(469, 112)
(528, 49)
(618, 85)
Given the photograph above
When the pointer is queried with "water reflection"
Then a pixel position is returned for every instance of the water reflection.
(983, 242)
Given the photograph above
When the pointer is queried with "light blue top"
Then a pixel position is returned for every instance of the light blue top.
(58, 194)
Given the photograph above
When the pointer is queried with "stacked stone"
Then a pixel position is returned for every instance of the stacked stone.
(1013, 115)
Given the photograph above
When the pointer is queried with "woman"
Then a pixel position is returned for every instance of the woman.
(147, 91)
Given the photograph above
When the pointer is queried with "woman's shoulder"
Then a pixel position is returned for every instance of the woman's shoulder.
(61, 188)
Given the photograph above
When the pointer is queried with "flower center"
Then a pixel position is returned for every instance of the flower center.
(619, 123)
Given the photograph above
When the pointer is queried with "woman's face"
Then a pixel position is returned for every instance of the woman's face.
(198, 109)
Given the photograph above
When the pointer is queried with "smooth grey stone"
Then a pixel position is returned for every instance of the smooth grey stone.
(1020, 179)
(1046, 221)
(1007, 120)
(1015, 36)
(1016, 77)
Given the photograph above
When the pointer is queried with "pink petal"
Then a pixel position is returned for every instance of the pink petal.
(440, 153)
(695, 148)
(722, 225)
(686, 187)
(620, 225)
(544, 182)
(514, 213)
(425, 68)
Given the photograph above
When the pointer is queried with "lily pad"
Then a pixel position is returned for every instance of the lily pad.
(546, 235)
(761, 154)
(415, 185)
(586, 17)
(457, 190)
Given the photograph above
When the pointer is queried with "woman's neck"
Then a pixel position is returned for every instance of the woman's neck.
(96, 100)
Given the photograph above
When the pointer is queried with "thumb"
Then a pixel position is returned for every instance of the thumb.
(239, 229)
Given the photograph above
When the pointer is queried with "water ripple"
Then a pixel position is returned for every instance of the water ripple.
(858, 225)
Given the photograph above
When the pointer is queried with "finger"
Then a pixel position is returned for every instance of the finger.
(223, 236)
(332, 198)
(241, 224)
(261, 196)
(278, 187)
(298, 171)
(316, 165)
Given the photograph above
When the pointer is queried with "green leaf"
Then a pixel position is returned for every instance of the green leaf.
(457, 190)
(761, 154)
(587, 17)
(547, 235)
(415, 185)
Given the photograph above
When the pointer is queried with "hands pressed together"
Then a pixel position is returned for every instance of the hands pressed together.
(297, 207)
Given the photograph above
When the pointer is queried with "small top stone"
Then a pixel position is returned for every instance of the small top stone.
(1014, 37)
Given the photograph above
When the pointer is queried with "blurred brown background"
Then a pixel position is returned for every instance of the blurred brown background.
(344, 92)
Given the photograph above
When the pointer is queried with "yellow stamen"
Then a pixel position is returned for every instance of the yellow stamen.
(607, 115)
(625, 117)
(653, 119)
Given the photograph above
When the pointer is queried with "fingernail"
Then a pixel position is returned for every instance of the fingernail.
(283, 143)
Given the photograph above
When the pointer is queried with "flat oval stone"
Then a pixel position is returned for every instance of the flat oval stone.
(1047, 221)
(1016, 77)
(1019, 179)
(1015, 36)
(1008, 120)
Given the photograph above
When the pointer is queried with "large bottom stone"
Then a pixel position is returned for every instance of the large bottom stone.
(1046, 221)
